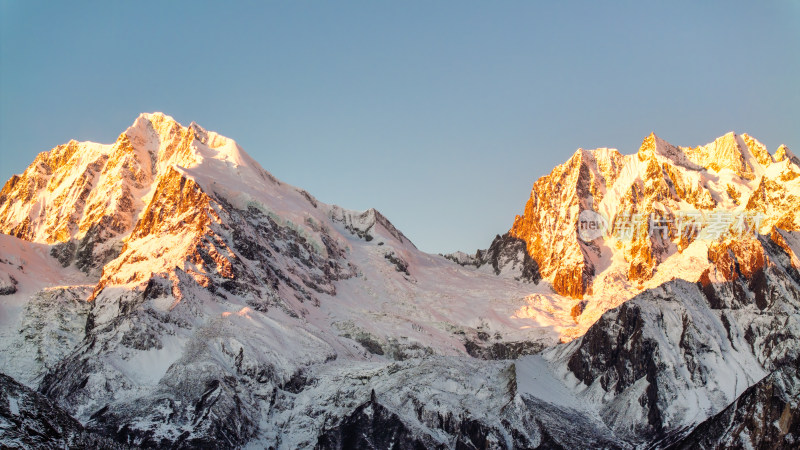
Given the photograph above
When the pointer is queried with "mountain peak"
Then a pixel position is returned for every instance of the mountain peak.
(169, 143)
(156, 121)
(653, 147)
(83, 192)
(741, 154)
(165, 126)
(783, 153)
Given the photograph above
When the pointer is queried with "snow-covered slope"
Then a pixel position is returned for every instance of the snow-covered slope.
(42, 312)
(168, 291)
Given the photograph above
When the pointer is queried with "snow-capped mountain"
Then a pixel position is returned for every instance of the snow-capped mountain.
(165, 290)
(668, 212)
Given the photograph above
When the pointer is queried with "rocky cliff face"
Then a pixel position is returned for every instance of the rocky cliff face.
(30, 420)
(165, 290)
(766, 415)
(506, 255)
(653, 206)
(548, 225)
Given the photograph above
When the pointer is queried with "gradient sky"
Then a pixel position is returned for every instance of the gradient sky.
(439, 114)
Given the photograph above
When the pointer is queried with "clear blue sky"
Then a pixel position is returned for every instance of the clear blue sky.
(439, 114)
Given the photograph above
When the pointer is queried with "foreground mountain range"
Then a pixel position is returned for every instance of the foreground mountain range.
(165, 290)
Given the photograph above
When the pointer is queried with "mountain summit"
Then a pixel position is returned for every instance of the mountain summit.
(165, 290)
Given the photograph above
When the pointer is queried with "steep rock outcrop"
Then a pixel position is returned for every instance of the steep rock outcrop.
(765, 416)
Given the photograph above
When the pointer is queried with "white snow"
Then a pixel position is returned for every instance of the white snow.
(535, 378)
(13, 405)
